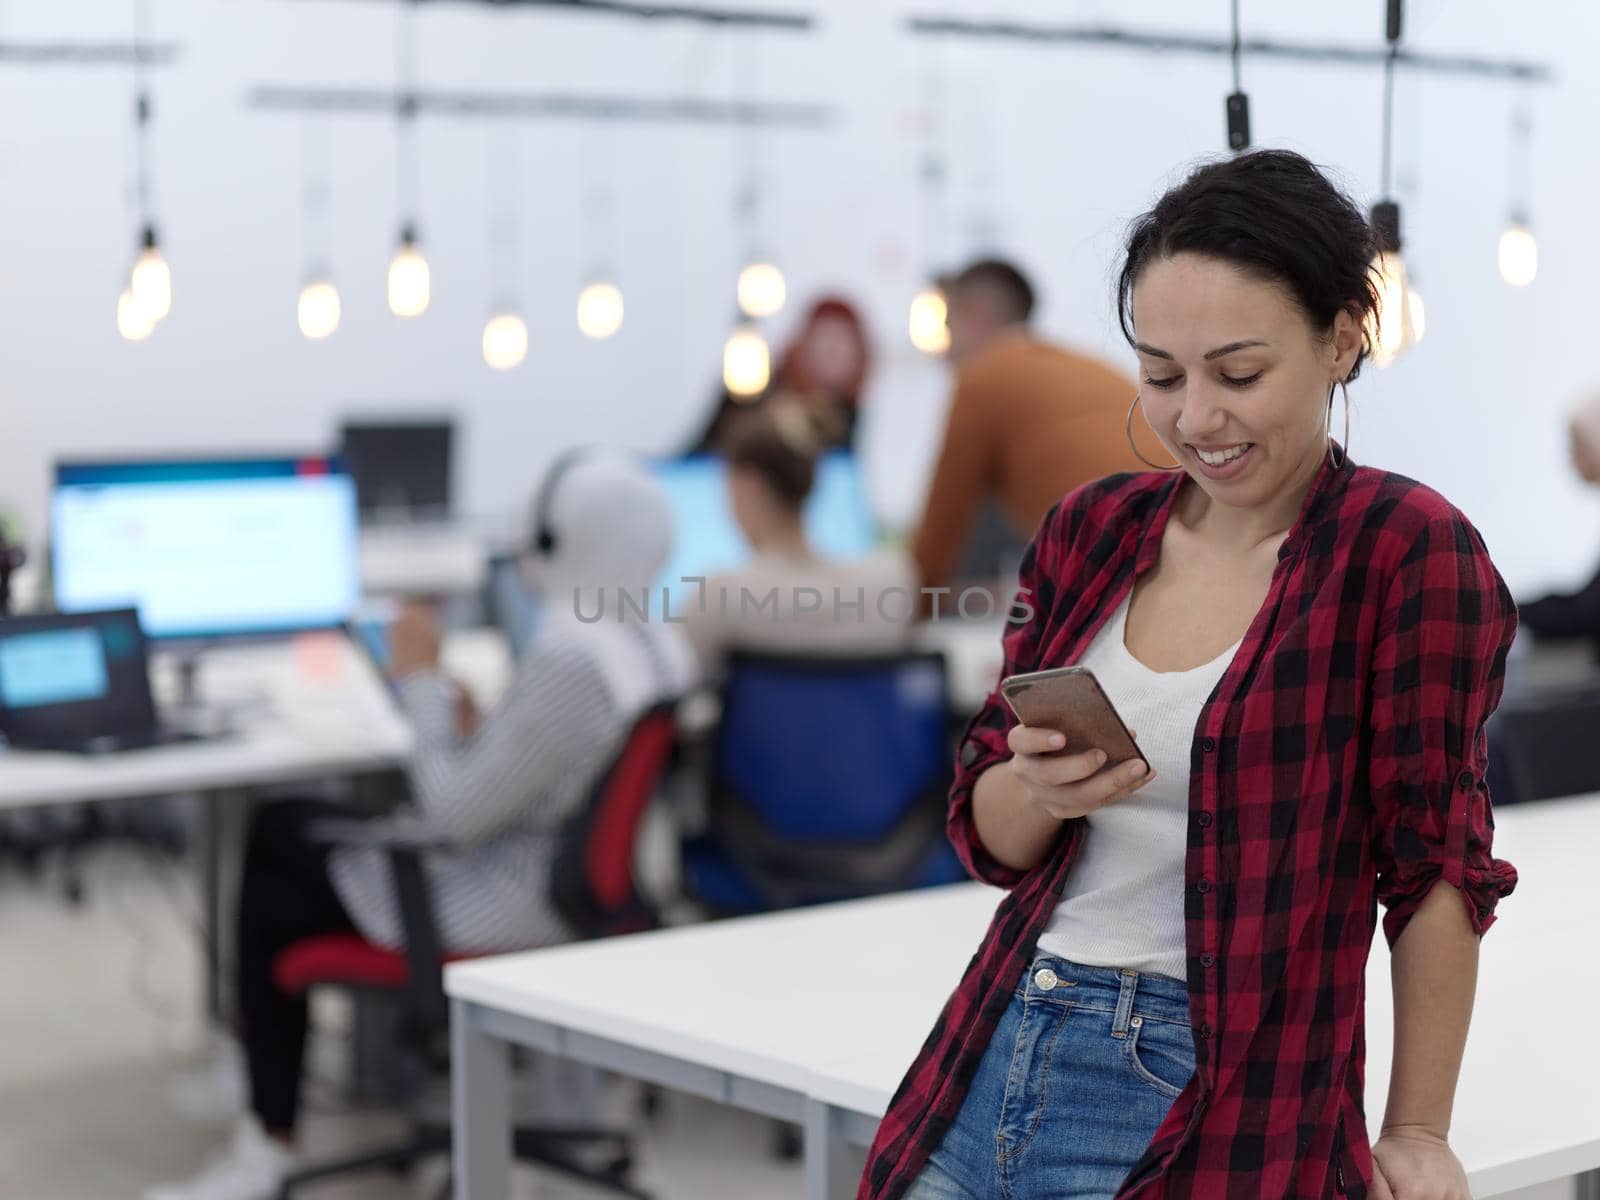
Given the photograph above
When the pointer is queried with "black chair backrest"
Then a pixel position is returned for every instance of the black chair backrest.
(593, 885)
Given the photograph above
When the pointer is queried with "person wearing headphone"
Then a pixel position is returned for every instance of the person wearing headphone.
(499, 792)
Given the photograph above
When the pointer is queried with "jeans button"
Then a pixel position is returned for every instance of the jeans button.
(1044, 979)
(1136, 1022)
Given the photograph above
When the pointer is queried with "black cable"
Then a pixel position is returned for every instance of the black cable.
(1237, 106)
(141, 113)
(1388, 114)
(407, 180)
(1237, 86)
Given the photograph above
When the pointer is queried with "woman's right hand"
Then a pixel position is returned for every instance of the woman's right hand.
(1063, 786)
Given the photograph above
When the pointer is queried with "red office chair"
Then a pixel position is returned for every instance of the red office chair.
(593, 887)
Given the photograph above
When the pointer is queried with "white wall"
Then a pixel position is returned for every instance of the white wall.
(1059, 145)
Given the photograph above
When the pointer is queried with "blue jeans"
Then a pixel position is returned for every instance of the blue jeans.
(1078, 1076)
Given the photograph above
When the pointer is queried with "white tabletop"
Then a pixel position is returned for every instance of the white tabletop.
(306, 708)
(836, 1001)
(765, 998)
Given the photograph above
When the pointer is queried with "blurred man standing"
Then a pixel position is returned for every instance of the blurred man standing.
(1029, 422)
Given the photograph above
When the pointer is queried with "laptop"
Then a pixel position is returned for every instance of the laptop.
(78, 682)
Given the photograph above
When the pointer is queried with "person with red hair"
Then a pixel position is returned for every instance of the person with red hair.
(824, 368)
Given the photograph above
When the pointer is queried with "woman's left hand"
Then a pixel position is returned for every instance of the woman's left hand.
(1416, 1164)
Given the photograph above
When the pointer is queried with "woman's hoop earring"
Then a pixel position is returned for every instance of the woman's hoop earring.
(1135, 448)
(1344, 452)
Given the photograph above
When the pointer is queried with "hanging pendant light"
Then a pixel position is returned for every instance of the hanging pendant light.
(1518, 250)
(762, 289)
(410, 282)
(746, 363)
(318, 311)
(1397, 324)
(505, 341)
(148, 295)
(133, 323)
(600, 309)
(1518, 253)
(927, 322)
(151, 279)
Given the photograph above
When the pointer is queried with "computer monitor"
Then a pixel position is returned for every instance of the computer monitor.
(707, 540)
(207, 549)
(402, 469)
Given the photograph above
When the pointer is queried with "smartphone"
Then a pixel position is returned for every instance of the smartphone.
(1070, 701)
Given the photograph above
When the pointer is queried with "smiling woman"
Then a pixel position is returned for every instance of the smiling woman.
(1310, 651)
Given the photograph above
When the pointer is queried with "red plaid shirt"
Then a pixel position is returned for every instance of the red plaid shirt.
(1338, 763)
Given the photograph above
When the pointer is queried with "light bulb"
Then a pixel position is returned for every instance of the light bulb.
(1398, 322)
(319, 309)
(1519, 255)
(409, 284)
(762, 290)
(151, 282)
(133, 323)
(505, 341)
(600, 310)
(746, 363)
(929, 332)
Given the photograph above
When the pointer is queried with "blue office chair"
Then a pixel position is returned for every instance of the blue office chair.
(828, 781)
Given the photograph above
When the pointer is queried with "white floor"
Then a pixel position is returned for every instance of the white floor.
(98, 1011)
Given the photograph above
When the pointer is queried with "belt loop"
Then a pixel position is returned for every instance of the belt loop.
(1119, 1023)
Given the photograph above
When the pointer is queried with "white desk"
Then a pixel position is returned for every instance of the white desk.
(305, 709)
(815, 1015)
(309, 709)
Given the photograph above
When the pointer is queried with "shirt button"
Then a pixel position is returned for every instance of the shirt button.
(1044, 979)
(1465, 779)
(1208, 960)
(1208, 744)
(1483, 912)
(1203, 886)
(1205, 1031)
(1204, 820)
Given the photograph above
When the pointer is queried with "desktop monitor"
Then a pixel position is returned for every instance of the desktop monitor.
(401, 469)
(207, 549)
(706, 539)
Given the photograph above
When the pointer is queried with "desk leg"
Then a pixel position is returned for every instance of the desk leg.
(1587, 1185)
(209, 848)
(480, 1104)
(833, 1168)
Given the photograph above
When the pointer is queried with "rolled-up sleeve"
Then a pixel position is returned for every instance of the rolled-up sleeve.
(1438, 670)
(984, 742)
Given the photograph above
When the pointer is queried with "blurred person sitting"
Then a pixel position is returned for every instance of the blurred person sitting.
(1029, 422)
(500, 790)
(823, 368)
(788, 596)
(1574, 614)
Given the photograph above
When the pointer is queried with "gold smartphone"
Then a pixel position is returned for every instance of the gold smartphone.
(1071, 701)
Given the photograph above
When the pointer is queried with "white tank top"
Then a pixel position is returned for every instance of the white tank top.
(1122, 906)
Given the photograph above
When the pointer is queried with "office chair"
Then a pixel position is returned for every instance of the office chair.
(595, 890)
(828, 781)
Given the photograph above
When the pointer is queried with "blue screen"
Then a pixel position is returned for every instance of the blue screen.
(53, 666)
(208, 549)
(706, 539)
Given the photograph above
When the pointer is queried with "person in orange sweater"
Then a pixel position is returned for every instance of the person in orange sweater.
(1029, 422)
